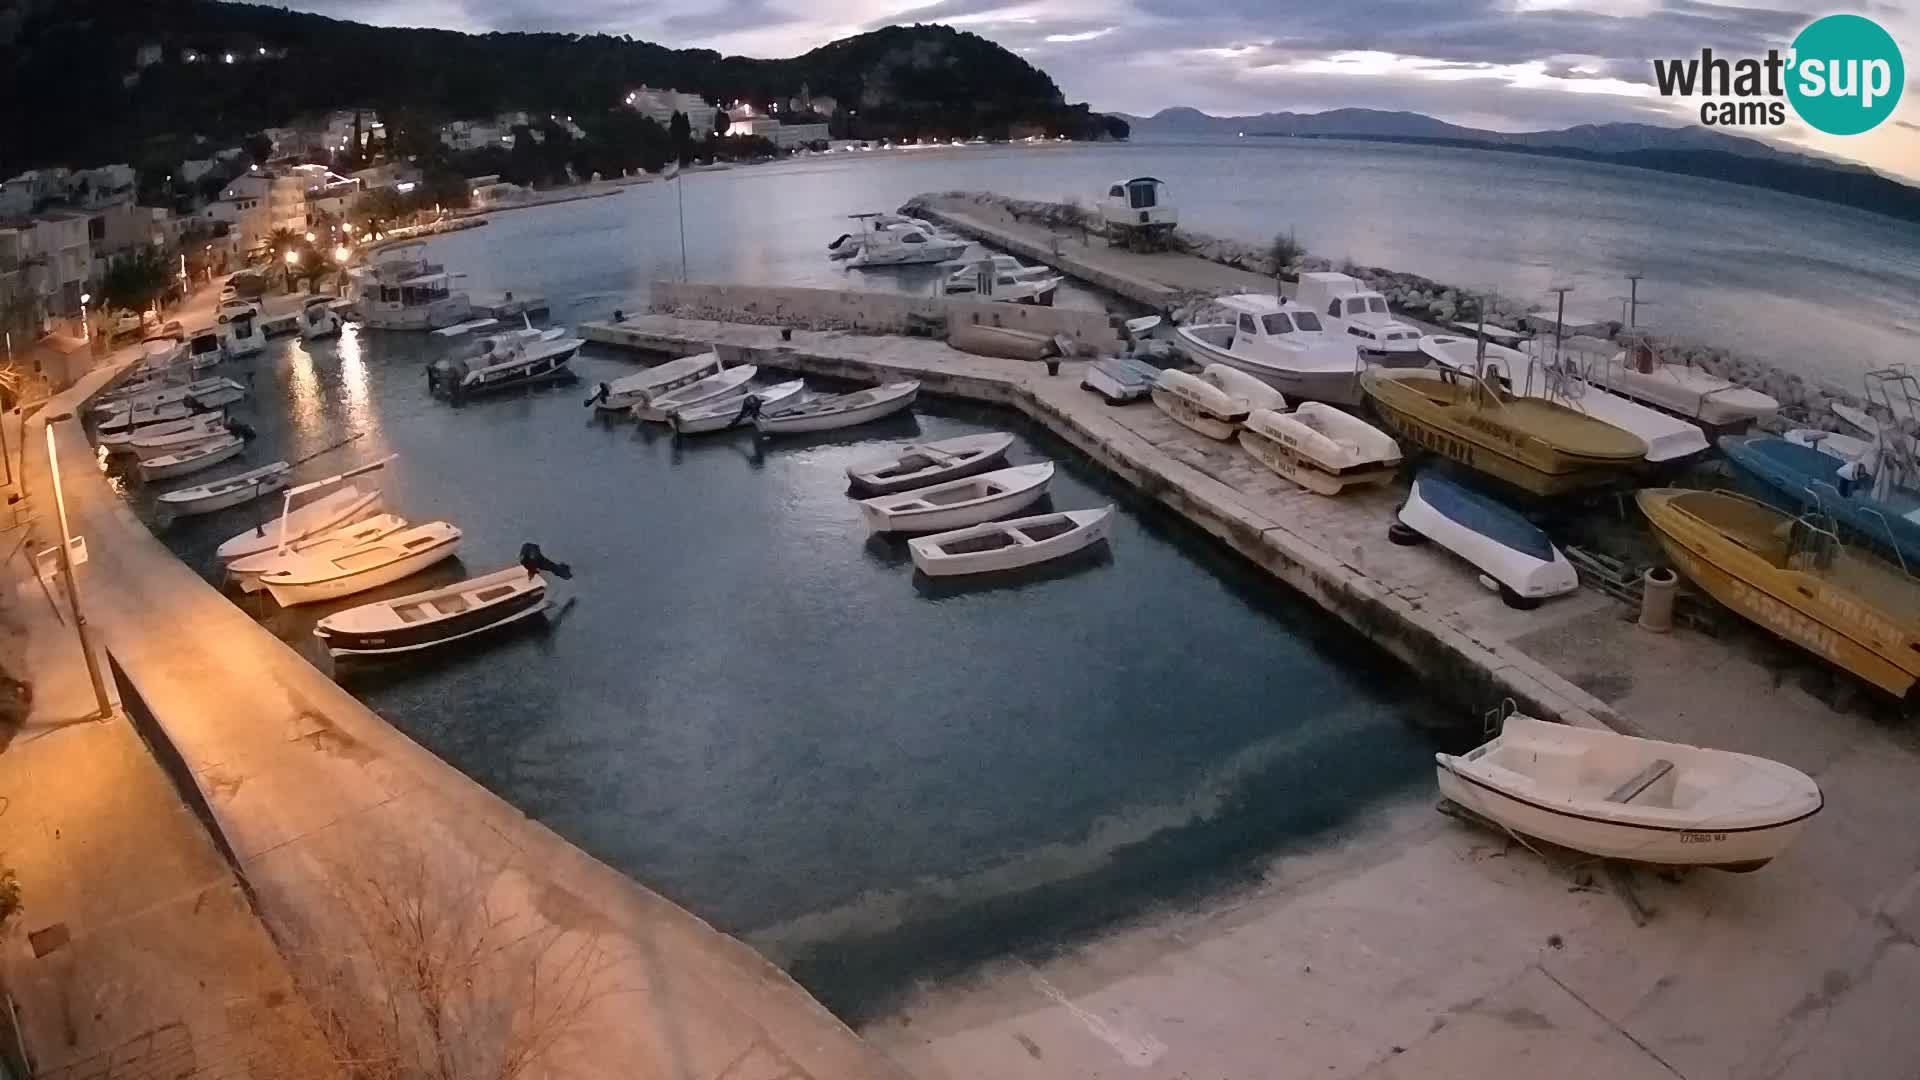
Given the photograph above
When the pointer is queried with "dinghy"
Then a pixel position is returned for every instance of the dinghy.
(1002, 341)
(228, 490)
(1236, 383)
(1009, 545)
(1513, 553)
(921, 464)
(245, 571)
(959, 503)
(203, 426)
(624, 393)
(1320, 448)
(423, 620)
(1619, 797)
(369, 566)
(724, 384)
(192, 459)
(724, 413)
(838, 410)
(1120, 379)
(163, 439)
(1199, 405)
(324, 514)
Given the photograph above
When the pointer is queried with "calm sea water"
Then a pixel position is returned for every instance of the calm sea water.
(1818, 289)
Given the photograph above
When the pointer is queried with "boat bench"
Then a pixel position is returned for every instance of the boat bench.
(1637, 784)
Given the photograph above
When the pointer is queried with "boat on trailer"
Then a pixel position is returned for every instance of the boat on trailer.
(922, 464)
(228, 490)
(1009, 545)
(622, 394)
(436, 617)
(959, 503)
(735, 411)
(1515, 555)
(368, 566)
(1639, 800)
(838, 410)
(1320, 448)
(1199, 404)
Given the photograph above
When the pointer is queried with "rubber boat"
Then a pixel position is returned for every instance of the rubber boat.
(1797, 478)
(1616, 796)
(324, 514)
(245, 571)
(723, 413)
(1710, 400)
(1538, 446)
(624, 393)
(959, 503)
(838, 410)
(1320, 448)
(1119, 379)
(436, 617)
(1009, 545)
(228, 490)
(1515, 556)
(723, 384)
(921, 464)
(397, 555)
(1283, 345)
(192, 459)
(1794, 578)
(1199, 404)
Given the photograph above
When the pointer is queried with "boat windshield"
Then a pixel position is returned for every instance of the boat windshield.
(1277, 323)
(1308, 320)
(1377, 304)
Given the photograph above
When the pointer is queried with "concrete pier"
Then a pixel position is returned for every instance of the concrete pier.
(506, 305)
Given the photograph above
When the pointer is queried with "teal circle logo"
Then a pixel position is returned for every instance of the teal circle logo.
(1846, 74)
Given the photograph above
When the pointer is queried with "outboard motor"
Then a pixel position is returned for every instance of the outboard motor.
(599, 396)
(532, 558)
(244, 431)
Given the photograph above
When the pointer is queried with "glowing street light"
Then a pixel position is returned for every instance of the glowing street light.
(342, 253)
(86, 324)
(309, 236)
(293, 258)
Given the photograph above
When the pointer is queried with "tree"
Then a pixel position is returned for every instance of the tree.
(135, 281)
(378, 208)
(721, 121)
(258, 146)
(680, 131)
(1283, 251)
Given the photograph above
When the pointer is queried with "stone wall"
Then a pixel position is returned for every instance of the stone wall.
(876, 313)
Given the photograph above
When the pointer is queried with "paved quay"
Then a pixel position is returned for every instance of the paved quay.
(335, 818)
(1417, 946)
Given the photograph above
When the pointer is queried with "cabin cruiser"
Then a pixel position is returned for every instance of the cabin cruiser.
(888, 240)
(1348, 307)
(1002, 278)
(240, 332)
(1282, 344)
(403, 290)
(205, 349)
(318, 319)
(502, 361)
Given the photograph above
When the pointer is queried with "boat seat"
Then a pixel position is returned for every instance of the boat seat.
(1637, 784)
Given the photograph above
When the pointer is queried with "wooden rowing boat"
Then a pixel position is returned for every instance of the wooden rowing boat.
(959, 503)
(921, 464)
(1009, 545)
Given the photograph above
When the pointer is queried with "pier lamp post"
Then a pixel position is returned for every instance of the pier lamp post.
(86, 324)
(73, 589)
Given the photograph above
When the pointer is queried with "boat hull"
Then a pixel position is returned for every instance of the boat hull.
(1722, 406)
(1332, 387)
(732, 382)
(1291, 461)
(292, 594)
(623, 394)
(416, 638)
(1083, 529)
(974, 454)
(266, 485)
(328, 513)
(1796, 478)
(970, 501)
(795, 424)
(165, 469)
(1120, 381)
(1435, 510)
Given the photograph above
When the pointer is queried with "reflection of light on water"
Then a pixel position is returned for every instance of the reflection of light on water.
(303, 390)
(353, 377)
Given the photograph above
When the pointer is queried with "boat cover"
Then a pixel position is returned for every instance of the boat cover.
(1491, 519)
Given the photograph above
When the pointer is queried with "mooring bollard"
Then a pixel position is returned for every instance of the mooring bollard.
(1656, 599)
(1053, 365)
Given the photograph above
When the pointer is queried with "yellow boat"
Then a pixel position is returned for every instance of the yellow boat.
(1792, 576)
(1534, 444)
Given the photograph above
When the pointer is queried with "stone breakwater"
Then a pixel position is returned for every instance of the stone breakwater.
(1803, 402)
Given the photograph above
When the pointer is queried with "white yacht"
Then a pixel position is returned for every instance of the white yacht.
(1348, 307)
(504, 361)
(205, 349)
(888, 240)
(1282, 344)
(1003, 278)
(403, 290)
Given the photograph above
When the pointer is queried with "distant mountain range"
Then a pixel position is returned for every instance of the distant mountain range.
(1379, 124)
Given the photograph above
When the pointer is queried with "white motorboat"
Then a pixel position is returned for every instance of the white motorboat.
(1236, 383)
(505, 361)
(141, 414)
(1198, 404)
(215, 393)
(1347, 306)
(1668, 438)
(192, 459)
(228, 490)
(400, 288)
(328, 577)
(1001, 278)
(240, 332)
(161, 352)
(1009, 545)
(348, 536)
(1640, 800)
(959, 503)
(205, 349)
(319, 320)
(1708, 399)
(435, 617)
(1281, 344)
(1514, 554)
(739, 409)
(1320, 448)
(838, 410)
(146, 447)
(730, 383)
(885, 241)
(1119, 379)
(920, 464)
(328, 512)
(154, 393)
(624, 393)
(197, 427)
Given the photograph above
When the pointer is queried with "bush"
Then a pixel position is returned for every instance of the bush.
(1284, 251)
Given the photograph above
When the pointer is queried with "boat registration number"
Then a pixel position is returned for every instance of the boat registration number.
(1702, 837)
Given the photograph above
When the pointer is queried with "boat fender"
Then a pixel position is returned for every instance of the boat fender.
(534, 561)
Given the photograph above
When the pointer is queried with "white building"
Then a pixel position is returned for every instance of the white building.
(660, 105)
(789, 136)
(108, 185)
(259, 202)
(49, 259)
(122, 229)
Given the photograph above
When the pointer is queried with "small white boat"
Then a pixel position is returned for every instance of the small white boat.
(1347, 306)
(205, 425)
(440, 616)
(1001, 278)
(1009, 545)
(142, 414)
(1514, 554)
(729, 383)
(240, 331)
(1120, 379)
(245, 571)
(205, 349)
(624, 393)
(318, 319)
(1199, 405)
(729, 412)
(885, 240)
(1640, 800)
(1236, 383)
(1320, 448)
(192, 459)
(215, 393)
(228, 490)
(959, 503)
(1686, 391)
(505, 361)
(369, 566)
(1283, 345)
(328, 512)
(160, 440)
(920, 464)
(838, 410)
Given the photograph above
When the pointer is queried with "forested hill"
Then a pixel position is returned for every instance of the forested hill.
(67, 95)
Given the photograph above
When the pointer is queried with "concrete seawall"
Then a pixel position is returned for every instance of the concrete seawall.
(315, 792)
(876, 312)
(1416, 604)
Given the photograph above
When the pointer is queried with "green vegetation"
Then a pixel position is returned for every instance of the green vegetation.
(1285, 250)
(137, 280)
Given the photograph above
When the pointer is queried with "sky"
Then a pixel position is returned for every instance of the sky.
(1509, 65)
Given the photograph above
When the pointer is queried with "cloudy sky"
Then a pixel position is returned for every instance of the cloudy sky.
(1504, 64)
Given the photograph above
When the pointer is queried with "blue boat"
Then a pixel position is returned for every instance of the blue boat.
(1798, 478)
(1515, 553)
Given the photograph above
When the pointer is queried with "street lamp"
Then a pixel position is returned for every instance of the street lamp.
(309, 236)
(293, 258)
(86, 324)
(341, 254)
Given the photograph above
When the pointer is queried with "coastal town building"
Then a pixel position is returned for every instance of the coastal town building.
(48, 260)
(120, 230)
(660, 105)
